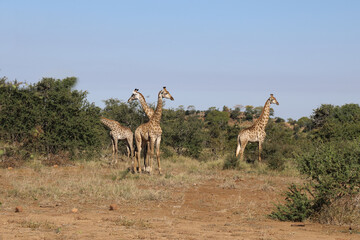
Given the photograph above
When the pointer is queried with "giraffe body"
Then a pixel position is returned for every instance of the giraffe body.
(119, 132)
(255, 133)
(136, 95)
(150, 133)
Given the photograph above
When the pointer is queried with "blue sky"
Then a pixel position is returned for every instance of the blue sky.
(207, 53)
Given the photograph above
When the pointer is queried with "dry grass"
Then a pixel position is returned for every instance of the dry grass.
(34, 224)
(96, 181)
(129, 223)
(344, 211)
(188, 196)
(85, 184)
(89, 182)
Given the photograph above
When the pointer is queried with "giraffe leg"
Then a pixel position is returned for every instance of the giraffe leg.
(151, 152)
(145, 147)
(243, 146)
(128, 151)
(260, 149)
(137, 157)
(113, 147)
(116, 151)
(147, 156)
(130, 148)
(158, 140)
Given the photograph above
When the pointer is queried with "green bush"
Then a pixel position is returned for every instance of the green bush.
(231, 162)
(184, 133)
(336, 122)
(49, 117)
(333, 172)
(333, 169)
(297, 206)
(279, 145)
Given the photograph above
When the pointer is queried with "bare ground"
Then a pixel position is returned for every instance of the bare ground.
(212, 204)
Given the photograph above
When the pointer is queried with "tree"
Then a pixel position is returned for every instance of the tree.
(49, 116)
(234, 114)
(216, 124)
(190, 110)
(184, 133)
(305, 123)
(336, 122)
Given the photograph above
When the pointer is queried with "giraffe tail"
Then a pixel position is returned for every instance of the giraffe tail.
(238, 146)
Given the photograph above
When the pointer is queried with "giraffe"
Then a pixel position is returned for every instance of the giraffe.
(150, 133)
(149, 112)
(137, 95)
(255, 133)
(119, 132)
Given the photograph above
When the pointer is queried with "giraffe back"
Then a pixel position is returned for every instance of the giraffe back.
(117, 130)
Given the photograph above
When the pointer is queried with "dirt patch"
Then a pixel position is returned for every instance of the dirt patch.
(225, 205)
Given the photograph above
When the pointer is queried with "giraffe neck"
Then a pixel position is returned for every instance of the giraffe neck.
(148, 110)
(107, 122)
(264, 117)
(157, 115)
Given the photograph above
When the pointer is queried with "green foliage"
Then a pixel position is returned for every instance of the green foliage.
(249, 113)
(231, 140)
(252, 112)
(185, 133)
(297, 206)
(13, 156)
(279, 145)
(231, 162)
(235, 114)
(216, 126)
(49, 116)
(334, 170)
(327, 150)
(336, 122)
(279, 120)
(216, 119)
(129, 115)
(305, 123)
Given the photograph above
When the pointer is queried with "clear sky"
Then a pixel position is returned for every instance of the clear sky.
(207, 53)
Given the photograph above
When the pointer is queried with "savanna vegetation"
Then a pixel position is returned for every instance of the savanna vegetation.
(52, 121)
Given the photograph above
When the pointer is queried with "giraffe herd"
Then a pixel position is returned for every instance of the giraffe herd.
(148, 135)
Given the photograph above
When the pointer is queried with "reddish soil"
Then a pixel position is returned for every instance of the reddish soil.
(208, 210)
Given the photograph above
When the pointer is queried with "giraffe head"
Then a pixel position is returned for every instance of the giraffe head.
(273, 100)
(165, 94)
(135, 95)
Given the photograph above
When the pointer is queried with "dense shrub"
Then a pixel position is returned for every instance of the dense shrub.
(333, 171)
(184, 133)
(279, 146)
(336, 122)
(297, 206)
(49, 116)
